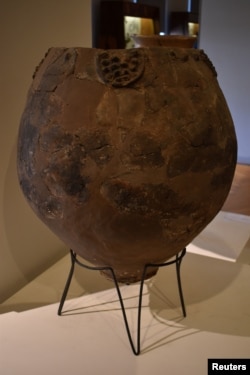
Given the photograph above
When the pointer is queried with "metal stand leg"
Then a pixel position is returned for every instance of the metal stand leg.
(178, 270)
(68, 282)
(136, 349)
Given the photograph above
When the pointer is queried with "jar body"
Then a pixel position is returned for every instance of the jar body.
(126, 155)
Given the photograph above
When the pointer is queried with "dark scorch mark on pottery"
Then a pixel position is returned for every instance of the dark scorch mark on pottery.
(145, 151)
(98, 147)
(146, 199)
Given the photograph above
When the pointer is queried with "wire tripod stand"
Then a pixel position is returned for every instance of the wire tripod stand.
(136, 349)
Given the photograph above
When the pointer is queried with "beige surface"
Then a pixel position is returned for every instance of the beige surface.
(238, 200)
(91, 336)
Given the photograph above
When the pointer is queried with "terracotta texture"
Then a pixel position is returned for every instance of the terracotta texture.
(126, 155)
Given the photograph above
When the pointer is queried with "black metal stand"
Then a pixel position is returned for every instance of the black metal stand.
(177, 261)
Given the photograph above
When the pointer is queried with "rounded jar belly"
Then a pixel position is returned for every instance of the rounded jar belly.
(126, 155)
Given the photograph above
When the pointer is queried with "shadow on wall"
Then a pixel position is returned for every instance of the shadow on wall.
(213, 301)
(32, 246)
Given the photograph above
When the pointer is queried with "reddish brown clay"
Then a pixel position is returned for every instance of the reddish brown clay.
(126, 155)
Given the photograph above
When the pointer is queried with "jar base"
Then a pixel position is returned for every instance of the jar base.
(129, 277)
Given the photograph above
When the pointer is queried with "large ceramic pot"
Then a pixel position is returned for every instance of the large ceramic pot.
(126, 155)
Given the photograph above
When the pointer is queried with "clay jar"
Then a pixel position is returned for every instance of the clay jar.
(126, 155)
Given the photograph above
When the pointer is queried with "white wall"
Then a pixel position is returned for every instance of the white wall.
(224, 35)
(28, 29)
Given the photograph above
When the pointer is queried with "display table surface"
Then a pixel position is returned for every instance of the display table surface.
(90, 337)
